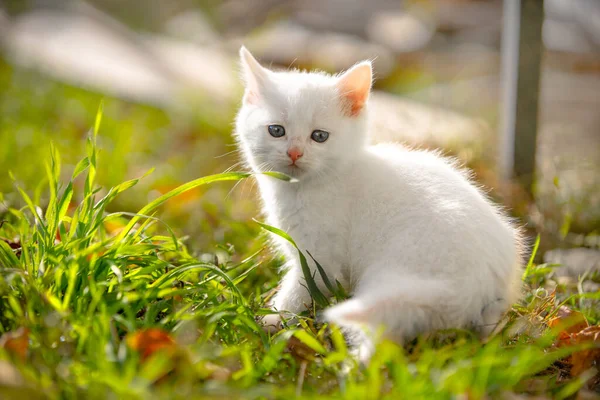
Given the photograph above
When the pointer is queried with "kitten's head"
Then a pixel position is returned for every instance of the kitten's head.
(304, 124)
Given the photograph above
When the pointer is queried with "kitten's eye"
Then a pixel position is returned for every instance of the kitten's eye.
(319, 136)
(276, 130)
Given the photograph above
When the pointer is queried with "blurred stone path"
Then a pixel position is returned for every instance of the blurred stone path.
(87, 48)
(90, 50)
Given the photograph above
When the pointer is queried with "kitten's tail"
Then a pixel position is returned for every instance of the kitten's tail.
(396, 308)
(393, 303)
(413, 305)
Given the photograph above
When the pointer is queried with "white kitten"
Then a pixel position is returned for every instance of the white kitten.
(417, 245)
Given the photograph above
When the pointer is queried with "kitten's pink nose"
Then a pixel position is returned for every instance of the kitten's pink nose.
(294, 153)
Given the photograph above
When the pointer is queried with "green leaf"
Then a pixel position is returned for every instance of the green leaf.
(566, 225)
(74, 223)
(530, 263)
(53, 174)
(178, 272)
(280, 175)
(313, 289)
(8, 259)
(310, 341)
(341, 291)
(273, 355)
(89, 181)
(63, 205)
(54, 302)
(324, 276)
(316, 294)
(277, 231)
(339, 344)
(338, 339)
(114, 191)
(32, 208)
(72, 274)
(153, 205)
(98, 119)
(80, 167)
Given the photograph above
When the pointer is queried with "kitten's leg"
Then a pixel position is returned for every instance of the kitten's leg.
(292, 296)
(362, 343)
(400, 308)
(491, 317)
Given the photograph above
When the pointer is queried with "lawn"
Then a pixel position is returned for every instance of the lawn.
(130, 268)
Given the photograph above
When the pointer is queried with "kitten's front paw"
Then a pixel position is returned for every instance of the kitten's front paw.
(272, 323)
(364, 352)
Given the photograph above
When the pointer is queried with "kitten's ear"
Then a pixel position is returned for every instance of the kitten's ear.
(354, 87)
(254, 76)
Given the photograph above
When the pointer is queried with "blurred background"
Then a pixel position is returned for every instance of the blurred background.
(168, 74)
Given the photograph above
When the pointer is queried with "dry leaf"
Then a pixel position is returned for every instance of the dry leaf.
(299, 350)
(575, 330)
(583, 360)
(13, 244)
(16, 343)
(149, 341)
(569, 320)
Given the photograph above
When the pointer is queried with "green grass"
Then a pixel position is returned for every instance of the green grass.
(135, 138)
(93, 287)
(118, 238)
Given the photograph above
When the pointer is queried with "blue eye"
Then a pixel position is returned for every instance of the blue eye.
(276, 130)
(319, 136)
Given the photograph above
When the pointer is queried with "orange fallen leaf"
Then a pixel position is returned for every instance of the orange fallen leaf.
(570, 321)
(583, 360)
(113, 227)
(96, 254)
(16, 343)
(149, 341)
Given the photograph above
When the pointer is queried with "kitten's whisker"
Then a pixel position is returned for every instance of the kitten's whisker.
(232, 167)
(228, 153)
(232, 189)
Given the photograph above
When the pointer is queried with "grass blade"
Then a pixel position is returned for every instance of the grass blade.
(530, 263)
(98, 119)
(326, 281)
(80, 167)
(8, 259)
(153, 205)
(63, 205)
(280, 176)
(311, 285)
(310, 341)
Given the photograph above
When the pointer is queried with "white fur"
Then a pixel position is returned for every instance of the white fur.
(418, 246)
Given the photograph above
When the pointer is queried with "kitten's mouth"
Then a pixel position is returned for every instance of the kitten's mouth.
(293, 169)
(293, 166)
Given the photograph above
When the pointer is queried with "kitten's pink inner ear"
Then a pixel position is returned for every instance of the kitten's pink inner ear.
(250, 97)
(354, 87)
(254, 76)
